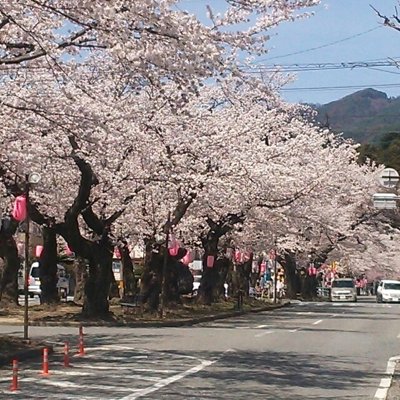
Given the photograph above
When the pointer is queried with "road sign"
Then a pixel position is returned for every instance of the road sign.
(385, 201)
(389, 178)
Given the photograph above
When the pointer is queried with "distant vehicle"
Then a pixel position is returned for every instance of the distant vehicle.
(343, 289)
(388, 291)
(196, 284)
(34, 281)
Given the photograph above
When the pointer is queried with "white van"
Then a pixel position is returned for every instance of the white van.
(34, 281)
(343, 289)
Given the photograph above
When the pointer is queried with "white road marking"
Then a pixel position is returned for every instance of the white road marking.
(317, 322)
(65, 384)
(242, 327)
(294, 330)
(63, 372)
(167, 381)
(110, 347)
(263, 333)
(261, 326)
(304, 312)
(384, 385)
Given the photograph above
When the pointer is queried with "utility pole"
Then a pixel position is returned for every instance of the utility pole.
(26, 265)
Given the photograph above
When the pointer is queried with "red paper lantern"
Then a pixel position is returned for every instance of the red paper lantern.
(38, 251)
(210, 261)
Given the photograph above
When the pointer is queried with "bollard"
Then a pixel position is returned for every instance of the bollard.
(14, 382)
(81, 344)
(45, 371)
(66, 354)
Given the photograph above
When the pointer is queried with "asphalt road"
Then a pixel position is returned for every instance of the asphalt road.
(305, 351)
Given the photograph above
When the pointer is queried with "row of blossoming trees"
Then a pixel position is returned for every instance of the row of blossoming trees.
(136, 111)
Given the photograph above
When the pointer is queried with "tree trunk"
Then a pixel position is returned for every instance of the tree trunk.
(9, 271)
(48, 267)
(81, 274)
(241, 278)
(128, 276)
(97, 287)
(150, 287)
(292, 278)
(209, 279)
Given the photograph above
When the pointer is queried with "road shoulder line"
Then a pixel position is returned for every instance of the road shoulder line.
(385, 383)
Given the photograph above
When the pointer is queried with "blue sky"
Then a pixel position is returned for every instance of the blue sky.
(341, 31)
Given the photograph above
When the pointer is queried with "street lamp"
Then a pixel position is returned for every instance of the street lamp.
(30, 179)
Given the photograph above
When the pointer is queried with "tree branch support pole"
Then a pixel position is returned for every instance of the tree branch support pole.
(26, 264)
(163, 301)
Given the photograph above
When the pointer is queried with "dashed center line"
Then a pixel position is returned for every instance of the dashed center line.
(263, 333)
(317, 322)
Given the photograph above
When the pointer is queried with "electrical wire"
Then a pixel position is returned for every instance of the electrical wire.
(344, 87)
(322, 46)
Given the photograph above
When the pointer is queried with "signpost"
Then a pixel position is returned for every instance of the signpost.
(389, 178)
(387, 201)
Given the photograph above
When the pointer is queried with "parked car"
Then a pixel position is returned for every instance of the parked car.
(388, 291)
(196, 284)
(343, 289)
(34, 281)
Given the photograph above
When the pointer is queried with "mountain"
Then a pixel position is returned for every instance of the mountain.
(365, 116)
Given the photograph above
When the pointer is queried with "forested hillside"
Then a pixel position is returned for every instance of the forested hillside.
(366, 115)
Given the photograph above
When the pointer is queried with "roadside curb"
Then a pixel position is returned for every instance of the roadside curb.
(154, 324)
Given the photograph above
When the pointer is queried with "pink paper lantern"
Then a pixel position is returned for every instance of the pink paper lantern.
(173, 246)
(38, 251)
(68, 251)
(21, 248)
(246, 256)
(263, 267)
(210, 261)
(312, 271)
(19, 211)
(238, 256)
(188, 258)
(117, 253)
(272, 254)
(173, 251)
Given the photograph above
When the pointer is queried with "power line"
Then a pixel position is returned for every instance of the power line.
(393, 62)
(322, 46)
(344, 87)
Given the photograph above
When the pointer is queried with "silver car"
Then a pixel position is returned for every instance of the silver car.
(343, 289)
